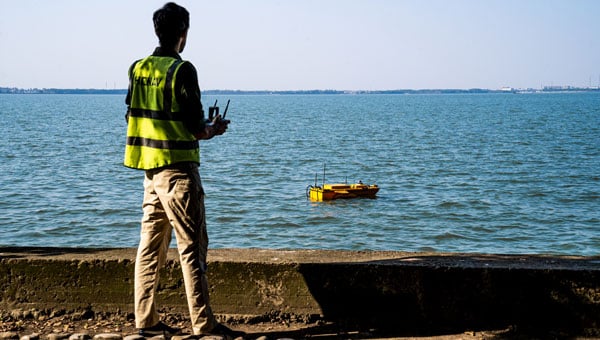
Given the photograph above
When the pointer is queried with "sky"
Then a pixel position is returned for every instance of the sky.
(310, 44)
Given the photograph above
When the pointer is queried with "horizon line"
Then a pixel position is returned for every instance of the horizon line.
(502, 89)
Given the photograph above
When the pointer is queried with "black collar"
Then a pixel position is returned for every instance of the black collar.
(163, 52)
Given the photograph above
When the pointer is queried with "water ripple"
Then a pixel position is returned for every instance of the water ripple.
(489, 173)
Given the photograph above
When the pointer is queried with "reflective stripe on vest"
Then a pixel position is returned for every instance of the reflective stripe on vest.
(156, 133)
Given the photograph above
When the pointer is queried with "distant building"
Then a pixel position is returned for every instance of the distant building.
(557, 88)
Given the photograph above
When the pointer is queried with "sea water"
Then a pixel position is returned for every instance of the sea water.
(485, 173)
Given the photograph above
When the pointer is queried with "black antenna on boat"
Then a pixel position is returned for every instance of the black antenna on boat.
(323, 175)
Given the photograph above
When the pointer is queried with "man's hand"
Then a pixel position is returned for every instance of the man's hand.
(216, 127)
(219, 125)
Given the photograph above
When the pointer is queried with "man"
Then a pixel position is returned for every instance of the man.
(165, 120)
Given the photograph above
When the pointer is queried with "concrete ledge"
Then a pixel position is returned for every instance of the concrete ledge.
(401, 290)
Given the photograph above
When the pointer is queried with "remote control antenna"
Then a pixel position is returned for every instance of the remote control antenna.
(212, 110)
(226, 107)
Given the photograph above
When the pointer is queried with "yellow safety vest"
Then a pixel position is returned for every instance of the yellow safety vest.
(156, 133)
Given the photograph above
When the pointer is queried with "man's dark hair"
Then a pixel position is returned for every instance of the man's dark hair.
(170, 22)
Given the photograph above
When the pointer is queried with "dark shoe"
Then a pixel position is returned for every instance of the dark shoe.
(225, 332)
(159, 329)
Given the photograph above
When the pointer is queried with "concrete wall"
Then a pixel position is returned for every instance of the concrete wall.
(382, 289)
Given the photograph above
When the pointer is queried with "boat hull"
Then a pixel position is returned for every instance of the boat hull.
(329, 192)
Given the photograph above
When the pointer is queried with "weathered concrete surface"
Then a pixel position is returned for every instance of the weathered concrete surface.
(382, 289)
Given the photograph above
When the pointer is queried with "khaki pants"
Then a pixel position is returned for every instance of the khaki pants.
(173, 200)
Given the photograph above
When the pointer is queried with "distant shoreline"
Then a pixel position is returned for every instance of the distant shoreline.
(555, 89)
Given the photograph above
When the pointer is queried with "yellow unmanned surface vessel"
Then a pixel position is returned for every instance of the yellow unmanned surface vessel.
(328, 192)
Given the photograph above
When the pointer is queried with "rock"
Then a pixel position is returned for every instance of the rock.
(134, 337)
(184, 337)
(9, 336)
(108, 336)
(58, 336)
(80, 336)
(16, 314)
(33, 336)
(57, 313)
(35, 314)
